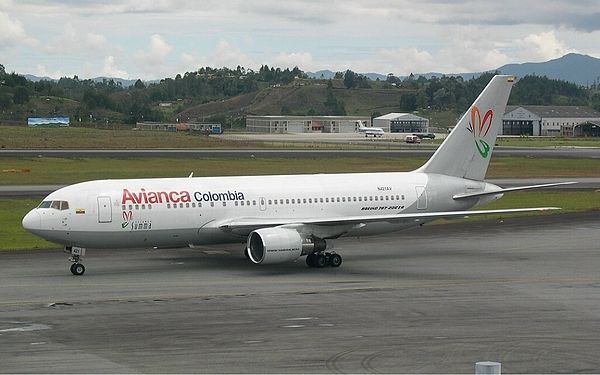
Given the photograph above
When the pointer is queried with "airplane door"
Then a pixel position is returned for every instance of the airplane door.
(104, 210)
(421, 198)
(262, 203)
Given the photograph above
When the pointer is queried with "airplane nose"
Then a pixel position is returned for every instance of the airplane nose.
(32, 221)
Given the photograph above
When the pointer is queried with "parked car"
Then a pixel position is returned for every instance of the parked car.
(425, 135)
(412, 139)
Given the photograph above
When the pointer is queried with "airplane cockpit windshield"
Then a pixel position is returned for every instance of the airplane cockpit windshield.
(57, 205)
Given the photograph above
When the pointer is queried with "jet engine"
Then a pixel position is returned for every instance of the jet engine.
(277, 245)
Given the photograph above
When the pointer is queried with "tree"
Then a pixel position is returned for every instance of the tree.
(350, 79)
(21, 95)
(140, 85)
(408, 102)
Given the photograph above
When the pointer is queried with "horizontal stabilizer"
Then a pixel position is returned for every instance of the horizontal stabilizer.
(518, 188)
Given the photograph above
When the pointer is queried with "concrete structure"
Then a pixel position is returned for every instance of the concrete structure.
(401, 123)
(305, 124)
(565, 121)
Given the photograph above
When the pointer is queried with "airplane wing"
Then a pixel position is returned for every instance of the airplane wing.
(250, 223)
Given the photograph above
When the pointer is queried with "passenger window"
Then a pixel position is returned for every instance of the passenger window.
(247, 203)
(371, 198)
(354, 199)
(180, 205)
(337, 199)
(193, 204)
(309, 200)
(376, 197)
(187, 205)
(123, 207)
(269, 202)
(254, 203)
(287, 201)
(130, 207)
(236, 203)
(212, 204)
(64, 205)
(143, 206)
(168, 205)
(304, 200)
(293, 201)
(402, 196)
(149, 206)
(242, 203)
(360, 199)
(321, 200)
(326, 200)
(224, 204)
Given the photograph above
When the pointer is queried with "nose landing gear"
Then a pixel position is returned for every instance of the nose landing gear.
(77, 253)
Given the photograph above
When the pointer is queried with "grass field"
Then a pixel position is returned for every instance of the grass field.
(50, 170)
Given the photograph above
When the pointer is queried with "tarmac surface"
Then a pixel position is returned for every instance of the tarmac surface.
(405, 151)
(523, 291)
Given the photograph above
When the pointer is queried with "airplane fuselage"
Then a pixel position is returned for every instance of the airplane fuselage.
(192, 211)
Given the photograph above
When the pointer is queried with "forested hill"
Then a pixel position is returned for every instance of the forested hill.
(227, 95)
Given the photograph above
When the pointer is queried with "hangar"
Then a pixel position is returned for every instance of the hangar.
(306, 124)
(564, 121)
(401, 123)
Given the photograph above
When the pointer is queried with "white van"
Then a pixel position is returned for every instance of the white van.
(412, 139)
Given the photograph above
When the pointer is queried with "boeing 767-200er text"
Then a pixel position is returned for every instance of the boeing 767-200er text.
(281, 218)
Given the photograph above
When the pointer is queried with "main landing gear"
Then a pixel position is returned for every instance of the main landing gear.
(77, 253)
(323, 259)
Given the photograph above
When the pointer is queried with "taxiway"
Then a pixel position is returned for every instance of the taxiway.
(523, 291)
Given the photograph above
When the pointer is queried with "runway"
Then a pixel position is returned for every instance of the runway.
(523, 291)
(404, 151)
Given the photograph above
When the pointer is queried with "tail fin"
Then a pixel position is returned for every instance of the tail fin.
(467, 150)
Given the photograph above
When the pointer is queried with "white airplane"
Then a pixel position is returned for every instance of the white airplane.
(375, 132)
(281, 218)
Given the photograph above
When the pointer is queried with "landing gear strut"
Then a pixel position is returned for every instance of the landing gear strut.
(323, 259)
(77, 253)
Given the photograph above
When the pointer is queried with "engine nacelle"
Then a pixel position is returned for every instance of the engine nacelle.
(277, 245)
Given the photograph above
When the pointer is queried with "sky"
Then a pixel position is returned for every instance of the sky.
(145, 39)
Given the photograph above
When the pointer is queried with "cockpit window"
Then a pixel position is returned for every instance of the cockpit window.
(58, 205)
(45, 204)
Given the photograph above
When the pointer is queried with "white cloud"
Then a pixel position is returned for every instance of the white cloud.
(110, 69)
(41, 71)
(224, 55)
(302, 60)
(399, 61)
(158, 53)
(75, 40)
(12, 33)
(543, 46)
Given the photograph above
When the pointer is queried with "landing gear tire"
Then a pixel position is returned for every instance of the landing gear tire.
(335, 260)
(310, 260)
(320, 260)
(77, 269)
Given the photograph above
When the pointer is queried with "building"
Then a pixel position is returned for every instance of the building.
(401, 123)
(306, 124)
(565, 121)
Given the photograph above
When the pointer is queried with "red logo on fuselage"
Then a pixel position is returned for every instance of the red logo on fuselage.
(146, 197)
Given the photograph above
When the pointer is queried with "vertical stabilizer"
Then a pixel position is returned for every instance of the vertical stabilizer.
(467, 150)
